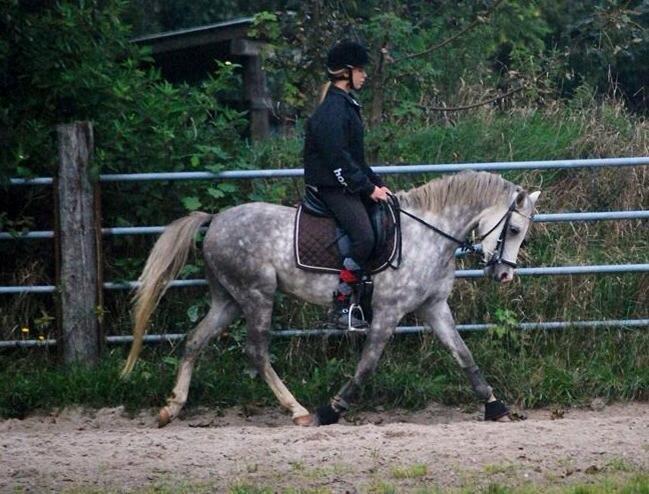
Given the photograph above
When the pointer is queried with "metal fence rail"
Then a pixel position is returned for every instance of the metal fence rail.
(461, 273)
(527, 326)
(539, 218)
(385, 169)
(390, 169)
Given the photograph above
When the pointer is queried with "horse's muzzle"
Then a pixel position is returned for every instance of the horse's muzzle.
(502, 273)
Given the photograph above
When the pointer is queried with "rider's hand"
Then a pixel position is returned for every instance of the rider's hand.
(379, 194)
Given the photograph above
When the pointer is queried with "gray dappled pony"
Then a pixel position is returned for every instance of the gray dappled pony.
(248, 252)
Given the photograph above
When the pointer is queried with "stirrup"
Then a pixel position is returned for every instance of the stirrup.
(350, 314)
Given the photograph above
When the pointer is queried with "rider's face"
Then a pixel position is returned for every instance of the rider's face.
(358, 76)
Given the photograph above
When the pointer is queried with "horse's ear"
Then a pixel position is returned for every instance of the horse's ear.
(534, 196)
(520, 198)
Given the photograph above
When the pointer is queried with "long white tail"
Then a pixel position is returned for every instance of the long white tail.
(166, 259)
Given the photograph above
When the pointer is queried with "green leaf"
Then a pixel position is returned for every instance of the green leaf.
(215, 193)
(171, 361)
(193, 313)
(228, 187)
(192, 203)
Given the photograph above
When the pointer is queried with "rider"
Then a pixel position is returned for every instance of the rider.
(334, 165)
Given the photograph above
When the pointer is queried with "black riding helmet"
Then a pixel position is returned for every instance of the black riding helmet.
(345, 55)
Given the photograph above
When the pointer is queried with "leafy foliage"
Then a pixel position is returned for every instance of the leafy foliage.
(431, 55)
(74, 61)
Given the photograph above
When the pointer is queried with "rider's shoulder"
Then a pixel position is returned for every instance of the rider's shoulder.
(336, 96)
(333, 106)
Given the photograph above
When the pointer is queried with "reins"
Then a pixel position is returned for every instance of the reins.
(464, 244)
(467, 245)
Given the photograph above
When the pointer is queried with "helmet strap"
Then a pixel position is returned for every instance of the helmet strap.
(351, 77)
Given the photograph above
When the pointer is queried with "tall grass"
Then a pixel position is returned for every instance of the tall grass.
(526, 368)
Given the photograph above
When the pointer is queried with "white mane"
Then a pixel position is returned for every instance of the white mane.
(469, 188)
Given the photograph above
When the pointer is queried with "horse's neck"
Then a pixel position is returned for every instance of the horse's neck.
(456, 205)
(455, 219)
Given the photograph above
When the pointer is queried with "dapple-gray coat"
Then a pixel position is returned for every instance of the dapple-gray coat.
(248, 252)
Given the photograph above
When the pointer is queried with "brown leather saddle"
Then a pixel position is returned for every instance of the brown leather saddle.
(321, 245)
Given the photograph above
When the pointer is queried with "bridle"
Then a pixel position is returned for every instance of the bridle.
(468, 246)
(497, 254)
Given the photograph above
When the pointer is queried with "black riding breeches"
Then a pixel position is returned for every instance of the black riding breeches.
(352, 216)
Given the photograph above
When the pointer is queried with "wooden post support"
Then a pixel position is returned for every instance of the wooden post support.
(254, 79)
(77, 244)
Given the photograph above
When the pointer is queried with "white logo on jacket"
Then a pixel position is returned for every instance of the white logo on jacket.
(339, 176)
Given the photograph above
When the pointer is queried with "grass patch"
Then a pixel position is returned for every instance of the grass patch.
(635, 485)
(409, 472)
(498, 468)
(532, 369)
(381, 487)
(638, 484)
(620, 465)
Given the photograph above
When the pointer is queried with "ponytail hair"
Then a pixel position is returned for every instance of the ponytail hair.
(323, 91)
(334, 75)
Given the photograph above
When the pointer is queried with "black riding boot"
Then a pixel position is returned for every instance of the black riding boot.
(346, 313)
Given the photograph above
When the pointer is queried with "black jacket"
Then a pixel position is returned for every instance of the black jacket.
(333, 146)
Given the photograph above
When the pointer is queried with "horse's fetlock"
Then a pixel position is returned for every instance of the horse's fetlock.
(339, 405)
(484, 392)
(478, 382)
(173, 402)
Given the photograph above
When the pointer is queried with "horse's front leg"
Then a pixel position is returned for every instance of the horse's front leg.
(438, 317)
(383, 325)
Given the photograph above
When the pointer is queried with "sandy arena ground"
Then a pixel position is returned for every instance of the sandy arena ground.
(436, 447)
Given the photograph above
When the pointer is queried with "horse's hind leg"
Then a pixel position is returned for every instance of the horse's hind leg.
(258, 313)
(383, 324)
(222, 312)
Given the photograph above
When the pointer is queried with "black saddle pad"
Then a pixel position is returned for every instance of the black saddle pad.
(316, 246)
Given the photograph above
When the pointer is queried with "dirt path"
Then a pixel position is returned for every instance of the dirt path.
(438, 446)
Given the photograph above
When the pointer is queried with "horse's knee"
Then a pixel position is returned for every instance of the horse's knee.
(478, 382)
(257, 356)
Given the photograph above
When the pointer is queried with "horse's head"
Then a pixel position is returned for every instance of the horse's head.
(502, 231)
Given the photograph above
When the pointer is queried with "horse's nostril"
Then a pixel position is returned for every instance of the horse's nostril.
(504, 277)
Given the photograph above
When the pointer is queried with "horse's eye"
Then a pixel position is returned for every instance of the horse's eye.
(514, 230)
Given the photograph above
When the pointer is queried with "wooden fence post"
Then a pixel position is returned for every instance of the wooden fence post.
(77, 235)
(254, 79)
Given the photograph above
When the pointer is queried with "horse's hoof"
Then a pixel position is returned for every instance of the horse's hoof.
(326, 415)
(164, 417)
(495, 411)
(306, 421)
